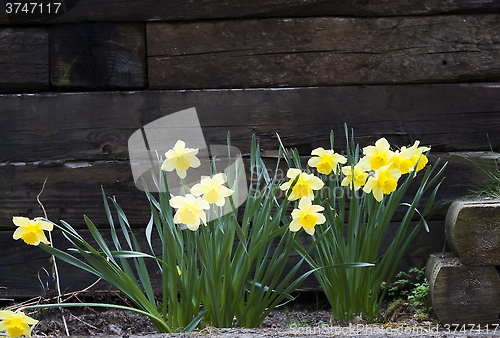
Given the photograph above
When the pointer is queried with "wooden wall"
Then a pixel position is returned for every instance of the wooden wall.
(75, 85)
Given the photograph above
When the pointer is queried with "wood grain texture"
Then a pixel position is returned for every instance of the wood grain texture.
(74, 189)
(24, 59)
(175, 10)
(461, 294)
(22, 265)
(473, 231)
(96, 126)
(97, 56)
(323, 51)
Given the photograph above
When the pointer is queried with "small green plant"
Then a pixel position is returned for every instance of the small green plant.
(410, 291)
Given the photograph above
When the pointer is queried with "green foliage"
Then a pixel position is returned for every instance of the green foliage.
(411, 289)
(365, 221)
(223, 270)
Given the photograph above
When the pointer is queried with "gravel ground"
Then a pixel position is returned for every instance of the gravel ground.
(308, 316)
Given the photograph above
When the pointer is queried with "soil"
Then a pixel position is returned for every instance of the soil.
(309, 315)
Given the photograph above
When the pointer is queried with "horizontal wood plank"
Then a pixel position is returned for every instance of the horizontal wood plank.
(92, 56)
(323, 51)
(24, 59)
(97, 126)
(74, 189)
(22, 266)
(175, 10)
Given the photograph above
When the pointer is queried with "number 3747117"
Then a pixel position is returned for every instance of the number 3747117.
(32, 7)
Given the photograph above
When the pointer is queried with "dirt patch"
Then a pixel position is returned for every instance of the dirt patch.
(309, 315)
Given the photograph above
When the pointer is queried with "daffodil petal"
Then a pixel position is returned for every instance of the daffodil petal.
(44, 225)
(295, 225)
(339, 158)
(315, 208)
(224, 191)
(286, 185)
(198, 189)
(321, 219)
(318, 151)
(314, 161)
(382, 144)
(305, 203)
(179, 146)
(369, 185)
(310, 231)
(178, 202)
(168, 165)
(378, 193)
(194, 161)
(219, 179)
(21, 221)
(18, 233)
(292, 173)
(181, 173)
(42, 238)
(315, 183)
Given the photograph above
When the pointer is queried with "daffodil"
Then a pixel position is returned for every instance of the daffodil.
(190, 210)
(178, 270)
(357, 180)
(326, 160)
(418, 155)
(305, 185)
(379, 155)
(402, 160)
(16, 324)
(180, 158)
(382, 182)
(306, 216)
(31, 231)
(212, 189)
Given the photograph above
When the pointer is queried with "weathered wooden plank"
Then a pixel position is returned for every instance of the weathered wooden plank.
(24, 59)
(323, 51)
(98, 56)
(473, 231)
(74, 189)
(22, 267)
(96, 126)
(462, 294)
(154, 10)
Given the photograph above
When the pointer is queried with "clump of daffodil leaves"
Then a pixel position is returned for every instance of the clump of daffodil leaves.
(234, 266)
(356, 197)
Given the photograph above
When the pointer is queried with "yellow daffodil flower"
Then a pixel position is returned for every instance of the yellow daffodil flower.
(327, 161)
(16, 324)
(358, 180)
(402, 160)
(178, 270)
(31, 231)
(190, 210)
(180, 158)
(379, 155)
(212, 189)
(418, 155)
(304, 186)
(306, 216)
(382, 181)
